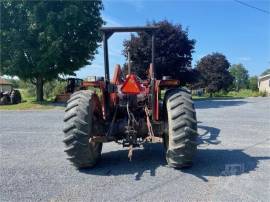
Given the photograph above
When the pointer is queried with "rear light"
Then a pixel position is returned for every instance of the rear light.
(131, 85)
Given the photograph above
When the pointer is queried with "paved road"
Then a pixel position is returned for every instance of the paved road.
(232, 163)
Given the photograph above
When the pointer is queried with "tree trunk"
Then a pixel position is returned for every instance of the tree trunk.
(39, 89)
(211, 95)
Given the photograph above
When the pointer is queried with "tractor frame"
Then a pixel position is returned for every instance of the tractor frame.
(108, 87)
(130, 111)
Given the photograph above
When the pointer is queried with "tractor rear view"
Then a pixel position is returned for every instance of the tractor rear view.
(130, 112)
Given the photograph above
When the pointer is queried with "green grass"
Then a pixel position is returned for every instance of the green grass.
(243, 93)
(29, 103)
(215, 98)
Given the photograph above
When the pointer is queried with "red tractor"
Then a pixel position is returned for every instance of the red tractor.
(130, 111)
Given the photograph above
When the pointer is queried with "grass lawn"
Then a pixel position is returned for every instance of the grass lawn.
(198, 98)
(29, 103)
(32, 105)
(222, 96)
(243, 93)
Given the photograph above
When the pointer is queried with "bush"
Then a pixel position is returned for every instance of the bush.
(263, 94)
(31, 89)
(59, 88)
(221, 93)
(52, 88)
(253, 83)
(241, 93)
(244, 93)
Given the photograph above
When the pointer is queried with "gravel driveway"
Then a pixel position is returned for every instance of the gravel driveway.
(232, 164)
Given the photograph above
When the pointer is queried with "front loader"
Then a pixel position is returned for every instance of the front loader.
(130, 111)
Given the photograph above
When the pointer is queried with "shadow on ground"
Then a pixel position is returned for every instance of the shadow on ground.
(213, 162)
(145, 160)
(208, 162)
(208, 135)
(55, 104)
(218, 103)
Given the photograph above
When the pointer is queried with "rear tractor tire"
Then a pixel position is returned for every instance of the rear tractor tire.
(181, 132)
(83, 116)
(15, 97)
(4, 100)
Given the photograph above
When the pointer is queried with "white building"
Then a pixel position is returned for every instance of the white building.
(264, 84)
(5, 85)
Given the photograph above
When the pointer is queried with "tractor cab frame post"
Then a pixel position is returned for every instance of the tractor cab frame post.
(107, 32)
(153, 78)
(106, 98)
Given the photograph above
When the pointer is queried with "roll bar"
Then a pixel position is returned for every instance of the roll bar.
(107, 32)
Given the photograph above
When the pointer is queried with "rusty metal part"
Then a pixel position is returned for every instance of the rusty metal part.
(131, 132)
(130, 152)
(100, 139)
(156, 106)
(169, 83)
(117, 75)
(149, 125)
(112, 123)
(153, 139)
(96, 84)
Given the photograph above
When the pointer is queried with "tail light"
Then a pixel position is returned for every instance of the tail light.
(131, 85)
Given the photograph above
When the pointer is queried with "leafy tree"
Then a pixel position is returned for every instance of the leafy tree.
(42, 39)
(267, 71)
(253, 83)
(215, 76)
(51, 88)
(173, 51)
(240, 74)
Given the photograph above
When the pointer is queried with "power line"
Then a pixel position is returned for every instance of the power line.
(250, 6)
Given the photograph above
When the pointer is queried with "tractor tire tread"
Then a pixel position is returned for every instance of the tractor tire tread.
(78, 130)
(182, 128)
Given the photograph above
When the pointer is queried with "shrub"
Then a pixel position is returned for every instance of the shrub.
(263, 94)
(52, 88)
(244, 93)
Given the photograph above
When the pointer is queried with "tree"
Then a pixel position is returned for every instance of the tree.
(267, 71)
(215, 76)
(43, 39)
(173, 51)
(253, 83)
(240, 75)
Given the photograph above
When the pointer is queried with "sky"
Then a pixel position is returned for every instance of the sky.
(241, 33)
